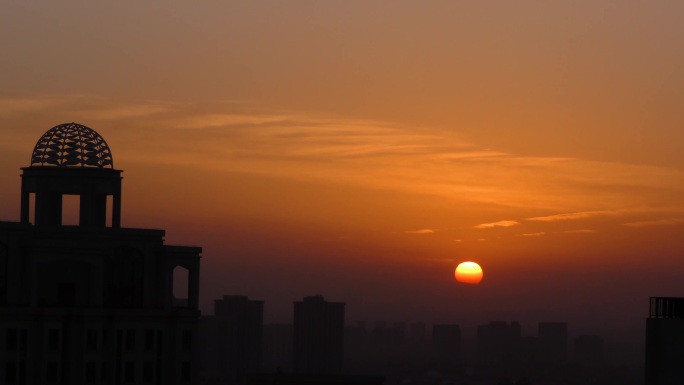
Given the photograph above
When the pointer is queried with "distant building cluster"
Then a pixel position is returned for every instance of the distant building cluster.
(319, 343)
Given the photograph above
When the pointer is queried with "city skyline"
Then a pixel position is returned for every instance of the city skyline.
(363, 151)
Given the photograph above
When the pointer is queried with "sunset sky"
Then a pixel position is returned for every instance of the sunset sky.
(361, 150)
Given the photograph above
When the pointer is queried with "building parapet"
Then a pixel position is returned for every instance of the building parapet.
(666, 307)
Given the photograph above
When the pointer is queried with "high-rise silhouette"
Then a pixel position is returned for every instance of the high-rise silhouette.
(664, 341)
(318, 335)
(91, 303)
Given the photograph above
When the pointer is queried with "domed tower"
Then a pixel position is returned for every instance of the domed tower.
(91, 304)
(71, 159)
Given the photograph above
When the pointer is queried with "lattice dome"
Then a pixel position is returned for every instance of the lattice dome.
(72, 145)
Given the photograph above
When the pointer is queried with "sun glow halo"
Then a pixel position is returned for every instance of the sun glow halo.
(468, 272)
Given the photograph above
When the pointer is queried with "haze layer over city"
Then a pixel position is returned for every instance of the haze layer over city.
(362, 150)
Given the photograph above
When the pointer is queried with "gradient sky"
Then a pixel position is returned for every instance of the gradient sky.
(361, 150)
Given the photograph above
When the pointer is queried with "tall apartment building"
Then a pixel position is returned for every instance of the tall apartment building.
(664, 341)
(90, 303)
(318, 335)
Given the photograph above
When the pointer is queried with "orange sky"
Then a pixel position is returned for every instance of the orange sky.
(362, 150)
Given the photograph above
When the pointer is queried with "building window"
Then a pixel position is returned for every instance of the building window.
(10, 373)
(187, 341)
(130, 339)
(22, 371)
(91, 372)
(53, 339)
(91, 340)
(125, 283)
(148, 371)
(52, 372)
(103, 372)
(149, 340)
(186, 372)
(11, 339)
(160, 340)
(129, 371)
(23, 336)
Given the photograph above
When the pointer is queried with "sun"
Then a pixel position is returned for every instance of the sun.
(469, 272)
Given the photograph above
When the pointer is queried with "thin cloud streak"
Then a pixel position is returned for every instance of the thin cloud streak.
(569, 216)
(497, 224)
(658, 222)
(237, 137)
(421, 231)
(580, 231)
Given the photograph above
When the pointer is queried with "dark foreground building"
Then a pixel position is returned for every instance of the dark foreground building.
(313, 379)
(91, 303)
(665, 341)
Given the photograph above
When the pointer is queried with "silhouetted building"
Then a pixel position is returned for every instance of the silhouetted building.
(91, 303)
(588, 350)
(446, 344)
(552, 343)
(665, 341)
(231, 340)
(318, 335)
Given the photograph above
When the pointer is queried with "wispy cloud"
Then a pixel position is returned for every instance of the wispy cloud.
(657, 222)
(420, 231)
(211, 120)
(238, 137)
(10, 105)
(539, 234)
(497, 224)
(580, 231)
(569, 216)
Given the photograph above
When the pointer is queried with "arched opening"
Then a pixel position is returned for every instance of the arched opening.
(181, 288)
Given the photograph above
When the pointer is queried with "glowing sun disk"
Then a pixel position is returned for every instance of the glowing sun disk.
(468, 272)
